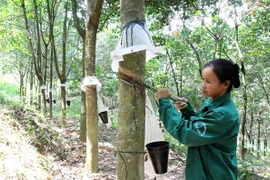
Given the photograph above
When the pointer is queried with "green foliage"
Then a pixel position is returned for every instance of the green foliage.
(105, 45)
(9, 95)
(248, 168)
(110, 14)
(75, 107)
(114, 118)
(9, 90)
(74, 110)
(162, 11)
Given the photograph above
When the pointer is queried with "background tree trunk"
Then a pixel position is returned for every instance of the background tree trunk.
(93, 14)
(259, 136)
(81, 32)
(131, 123)
(63, 105)
(51, 84)
(244, 85)
(39, 65)
(83, 108)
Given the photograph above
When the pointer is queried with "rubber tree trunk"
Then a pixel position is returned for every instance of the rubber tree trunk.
(43, 94)
(131, 104)
(51, 84)
(31, 83)
(259, 136)
(81, 32)
(93, 14)
(91, 130)
(63, 106)
(36, 53)
(83, 109)
(83, 118)
(245, 97)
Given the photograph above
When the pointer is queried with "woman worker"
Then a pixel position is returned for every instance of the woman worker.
(211, 132)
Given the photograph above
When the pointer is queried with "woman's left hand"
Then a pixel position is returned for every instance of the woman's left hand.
(180, 103)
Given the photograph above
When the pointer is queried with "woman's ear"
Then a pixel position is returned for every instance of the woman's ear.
(227, 83)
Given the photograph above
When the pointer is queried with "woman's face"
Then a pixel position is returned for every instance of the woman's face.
(211, 86)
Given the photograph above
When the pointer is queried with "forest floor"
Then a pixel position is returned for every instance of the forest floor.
(56, 153)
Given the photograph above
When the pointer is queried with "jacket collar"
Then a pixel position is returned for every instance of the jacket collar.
(209, 104)
(220, 100)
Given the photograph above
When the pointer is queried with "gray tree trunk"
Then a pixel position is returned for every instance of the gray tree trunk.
(83, 109)
(93, 14)
(131, 122)
(81, 32)
(244, 84)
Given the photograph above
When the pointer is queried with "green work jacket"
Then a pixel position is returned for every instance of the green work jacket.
(210, 134)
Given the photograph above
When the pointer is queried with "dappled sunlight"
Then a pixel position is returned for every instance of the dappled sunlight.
(19, 159)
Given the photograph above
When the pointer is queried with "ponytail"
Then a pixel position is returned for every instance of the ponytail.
(236, 79)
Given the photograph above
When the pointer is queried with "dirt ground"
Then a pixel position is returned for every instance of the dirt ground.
(72, 165)
(63, 154)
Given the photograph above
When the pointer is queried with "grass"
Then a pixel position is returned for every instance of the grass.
(253, 168)
(74, 110)
(9, 94)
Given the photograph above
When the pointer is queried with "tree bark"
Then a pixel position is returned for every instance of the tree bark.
(83, 105)
(249, 133)
(259, 136)
(131, 122)
(51, 84)
(36, 56)
(244, 84)
(63, 73)
(31, 83)
(93, 14)
(40, 65)
(81, 32)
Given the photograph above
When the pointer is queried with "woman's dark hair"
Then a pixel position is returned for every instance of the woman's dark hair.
(225, 70)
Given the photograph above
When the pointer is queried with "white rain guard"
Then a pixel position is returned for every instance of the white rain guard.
(92, 80)
(43, 86)
(63, 85)
(153, 133)
(135, 37)
(89, 81)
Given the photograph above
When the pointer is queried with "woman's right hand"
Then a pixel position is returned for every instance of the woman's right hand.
(163, 93)
(180, 103)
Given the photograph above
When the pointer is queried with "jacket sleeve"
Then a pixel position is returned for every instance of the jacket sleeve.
(198, 130)
(188, 111)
